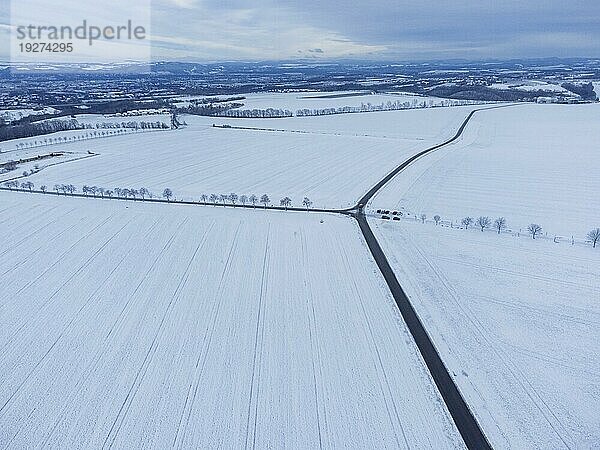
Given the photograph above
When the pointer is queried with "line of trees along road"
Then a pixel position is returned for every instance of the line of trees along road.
(232, 199)
(27, 130)
(143, 193)
(498, 225)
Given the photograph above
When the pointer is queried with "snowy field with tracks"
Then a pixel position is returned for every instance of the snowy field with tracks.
(134, 325)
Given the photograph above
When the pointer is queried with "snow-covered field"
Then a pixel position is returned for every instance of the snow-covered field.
(333, 161)
(16, 114)
(532, 85)
(321, 100)
(597, 88)
(294, 101)
(528, 163)
(158, 326)
(429, 124)
(14, 148)
(150, 116)
(516, 321)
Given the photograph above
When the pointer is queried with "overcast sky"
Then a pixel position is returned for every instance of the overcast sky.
(212, 30)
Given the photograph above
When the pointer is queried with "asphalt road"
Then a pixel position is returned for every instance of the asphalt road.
(463, 417)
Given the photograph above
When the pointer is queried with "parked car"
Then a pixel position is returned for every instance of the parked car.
(396, 218)
(385, 217)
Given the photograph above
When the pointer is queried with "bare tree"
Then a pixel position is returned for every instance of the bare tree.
(500, 224)
(243, 199)
(265, 200)
(594, 236)
(223, 198)
(143, 192)
(213, 199)
(28, 185)
(108, 193)
(534, 229)
(43, 188)
(253, 199)
(484, 222)
(307, 203)
(423, 218)
(168, 193)
(57, 188)
(203, 198)
(71, 189)
(437, 219)
(233, 198)
(466, 222)
(285, 202)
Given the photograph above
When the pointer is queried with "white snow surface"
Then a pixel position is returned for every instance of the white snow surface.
(532, 85)
(156, 326)
(528, 163)
(597, 88)
(16, 114)
(333, 160)
(320, 100)
(517, 323)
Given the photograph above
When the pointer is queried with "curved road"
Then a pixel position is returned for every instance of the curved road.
(463, 417)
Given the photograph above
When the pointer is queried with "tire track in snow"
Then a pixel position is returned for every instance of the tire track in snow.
(124, 409)
(520, 378)
(314, 340)
(206, 342)
(59, 259)
(17, 244)
(384, 383)
(66, 282)
(54, 238)
(70, 323)
(259, 337)
(102, 346)
(2, 409)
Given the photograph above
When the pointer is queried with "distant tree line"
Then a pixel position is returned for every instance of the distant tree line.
(143, 193)
(465, 91)
(46, 127)
(585, 91)
(211, 106)
(24, 130)
(210, 109)
(257, 113)
(384, 106)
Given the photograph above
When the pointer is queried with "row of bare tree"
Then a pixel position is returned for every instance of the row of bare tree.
(499, 224)
(233, 199)
(143, 193)
(108, 129)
